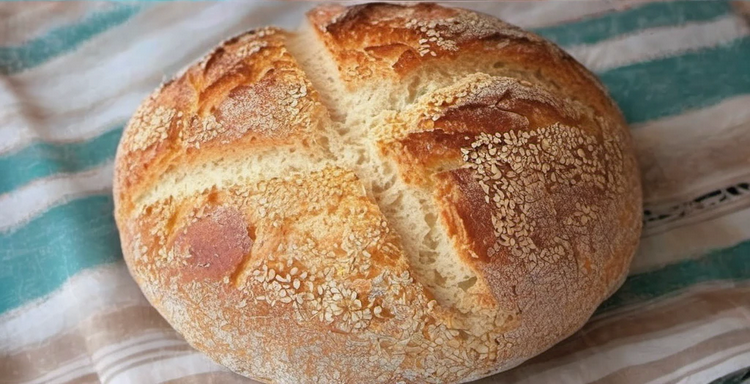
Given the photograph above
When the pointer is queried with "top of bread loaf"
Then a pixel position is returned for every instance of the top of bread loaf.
(390, 194)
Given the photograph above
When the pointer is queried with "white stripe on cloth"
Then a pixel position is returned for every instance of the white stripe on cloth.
(719, 370)
(95, 290)
(112, 361)
(540, 14)
(702, 363)
(82, 94)
(646, 349)
(649, 44)
(144, 359)
(690, 241)
(683, 157)
(72, 376)
(168, 369)
(114, 351)
(75, 368)
(111, 357)
(23, 204)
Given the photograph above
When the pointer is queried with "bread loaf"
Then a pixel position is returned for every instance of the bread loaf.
(411, 194)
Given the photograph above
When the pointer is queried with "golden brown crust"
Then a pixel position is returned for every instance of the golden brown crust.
(247, 93)
(532, 185)
(274, 254)
(375, 42)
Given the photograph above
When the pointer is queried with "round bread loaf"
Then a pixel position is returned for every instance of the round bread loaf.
(390, 194)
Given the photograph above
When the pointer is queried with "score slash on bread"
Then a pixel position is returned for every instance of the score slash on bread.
(390, 194)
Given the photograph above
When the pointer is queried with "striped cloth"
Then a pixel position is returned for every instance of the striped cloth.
(72, 73)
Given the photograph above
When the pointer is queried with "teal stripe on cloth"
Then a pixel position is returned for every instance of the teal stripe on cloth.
(726, 264)
(45, 159)
(62, 39)
(39, 257)
(609, 25)
(672, 85)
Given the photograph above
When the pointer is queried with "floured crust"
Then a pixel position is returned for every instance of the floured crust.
(256, 233)
(528, 184)
(371, 42)
(206, 111)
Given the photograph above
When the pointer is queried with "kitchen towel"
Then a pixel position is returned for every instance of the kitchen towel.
(72, 73)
